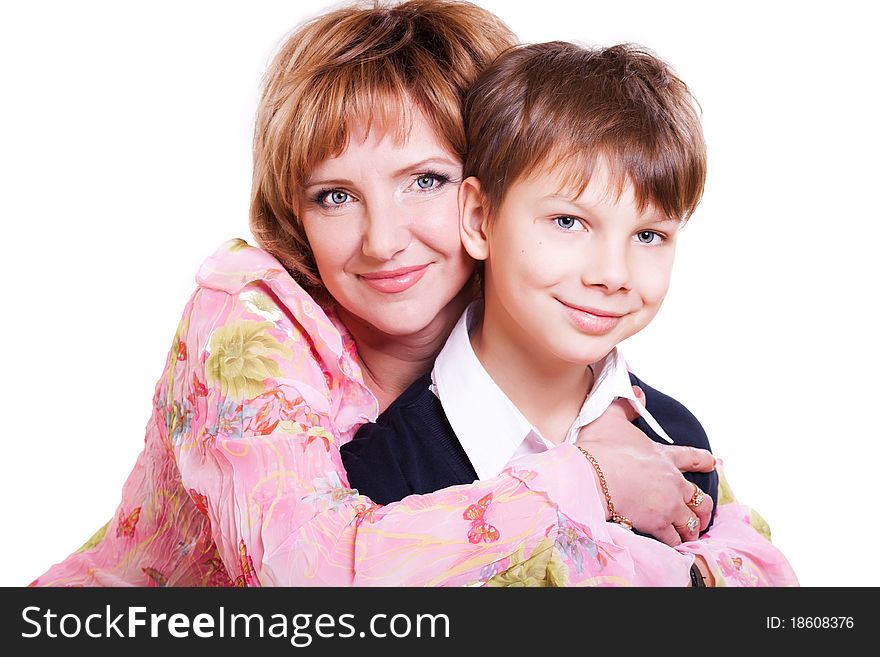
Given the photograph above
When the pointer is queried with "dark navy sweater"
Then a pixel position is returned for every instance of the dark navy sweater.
(412, 449)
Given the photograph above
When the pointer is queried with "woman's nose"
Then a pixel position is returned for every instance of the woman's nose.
(387, 231)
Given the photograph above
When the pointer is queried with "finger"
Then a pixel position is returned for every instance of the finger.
(704, 512)
(688, 527)
(690, 459)
(631, 413)
(667, 535)
(701, 505)
(640, 395)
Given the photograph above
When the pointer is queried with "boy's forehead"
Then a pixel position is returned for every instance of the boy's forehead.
(588, 180)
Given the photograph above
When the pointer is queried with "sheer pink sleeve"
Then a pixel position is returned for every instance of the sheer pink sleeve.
(241, 483)
(737, 547)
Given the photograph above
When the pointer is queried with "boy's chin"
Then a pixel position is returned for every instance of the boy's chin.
(586, 356)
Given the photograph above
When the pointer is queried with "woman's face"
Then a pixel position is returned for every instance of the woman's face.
(382, 221)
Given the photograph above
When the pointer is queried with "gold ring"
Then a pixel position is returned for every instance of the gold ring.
(697, 498)
(692, 523)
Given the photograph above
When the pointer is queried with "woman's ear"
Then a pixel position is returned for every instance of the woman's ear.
(473, 219)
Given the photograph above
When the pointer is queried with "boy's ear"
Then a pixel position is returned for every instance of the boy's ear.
(473, 219)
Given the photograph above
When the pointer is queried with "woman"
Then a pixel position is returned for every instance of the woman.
(357, 154)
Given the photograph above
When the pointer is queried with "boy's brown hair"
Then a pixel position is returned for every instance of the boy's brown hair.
(562, 106)
(367, 62)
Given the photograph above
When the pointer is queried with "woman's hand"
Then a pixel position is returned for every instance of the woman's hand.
(644, 477)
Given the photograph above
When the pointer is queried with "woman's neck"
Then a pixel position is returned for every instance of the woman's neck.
(391, 363)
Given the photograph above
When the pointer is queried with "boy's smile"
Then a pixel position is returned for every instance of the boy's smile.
(592, 321)
(569, 276)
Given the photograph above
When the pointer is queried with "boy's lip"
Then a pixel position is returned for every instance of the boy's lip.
(591, 321)
(393, 281)
(592, 311)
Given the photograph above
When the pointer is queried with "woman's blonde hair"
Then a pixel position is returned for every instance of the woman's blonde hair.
(361, 63)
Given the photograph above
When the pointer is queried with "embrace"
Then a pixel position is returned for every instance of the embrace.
(413, 378)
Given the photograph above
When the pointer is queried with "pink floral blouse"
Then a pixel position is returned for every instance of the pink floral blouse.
(240, 481)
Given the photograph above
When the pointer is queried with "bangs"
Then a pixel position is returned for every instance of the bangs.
(562, 107)
(378, 96)
(387, 111)
(659, 178)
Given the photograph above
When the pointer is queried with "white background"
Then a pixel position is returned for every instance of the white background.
(125, 160)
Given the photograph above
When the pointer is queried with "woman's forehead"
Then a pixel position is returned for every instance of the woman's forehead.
(405, 130)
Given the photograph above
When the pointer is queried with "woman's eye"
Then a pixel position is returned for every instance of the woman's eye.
(431, 181)
(568, 223)
(336, 197)
(649, 237)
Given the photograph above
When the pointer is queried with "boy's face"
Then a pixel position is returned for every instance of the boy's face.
(570, 277)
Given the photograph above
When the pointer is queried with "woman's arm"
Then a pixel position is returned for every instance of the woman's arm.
(276, 390)
(240, 481)
(737, 549)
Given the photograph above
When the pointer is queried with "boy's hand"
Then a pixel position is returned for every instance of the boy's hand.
(644, 477)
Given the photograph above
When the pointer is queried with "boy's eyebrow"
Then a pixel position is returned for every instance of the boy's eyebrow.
(560, 196)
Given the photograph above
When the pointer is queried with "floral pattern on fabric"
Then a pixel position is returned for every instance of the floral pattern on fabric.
(240, 481)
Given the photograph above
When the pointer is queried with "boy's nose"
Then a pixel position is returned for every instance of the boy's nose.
(387, 232)
(607, 267)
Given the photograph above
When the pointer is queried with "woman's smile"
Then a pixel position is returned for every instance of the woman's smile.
(381, 218)
(395, 280)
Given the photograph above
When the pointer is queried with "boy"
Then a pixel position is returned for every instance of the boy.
(584, 164)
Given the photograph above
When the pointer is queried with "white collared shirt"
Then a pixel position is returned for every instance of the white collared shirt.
(492, 431)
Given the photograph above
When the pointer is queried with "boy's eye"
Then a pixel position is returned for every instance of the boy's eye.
(649, 237)
(568, 223)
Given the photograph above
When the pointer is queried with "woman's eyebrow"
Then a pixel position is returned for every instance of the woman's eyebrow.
(421, 164)
(327, 182)
(409, 168)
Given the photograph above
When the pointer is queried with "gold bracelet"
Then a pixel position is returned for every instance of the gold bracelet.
(615, 517)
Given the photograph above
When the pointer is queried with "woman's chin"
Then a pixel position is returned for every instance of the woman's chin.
(392, 319)
(403, 324)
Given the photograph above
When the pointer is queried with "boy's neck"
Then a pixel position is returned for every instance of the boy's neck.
(548, 391)
(391, 363)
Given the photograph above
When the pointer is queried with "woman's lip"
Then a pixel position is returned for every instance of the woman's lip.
(395, 280)
(392, 273)
(589, 320)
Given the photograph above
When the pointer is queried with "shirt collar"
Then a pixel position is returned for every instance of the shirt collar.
(488, 425)
(611, 380)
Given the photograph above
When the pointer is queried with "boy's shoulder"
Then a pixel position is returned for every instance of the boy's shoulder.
(676, 419)
(411, 448)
